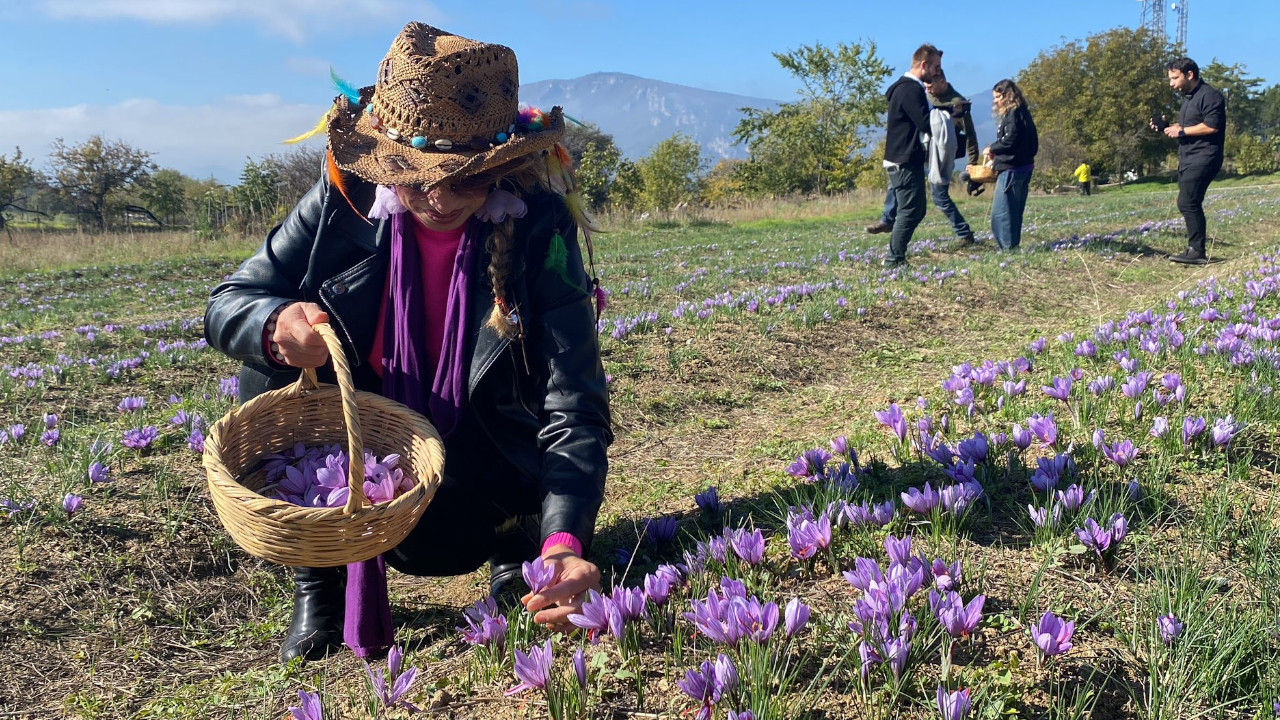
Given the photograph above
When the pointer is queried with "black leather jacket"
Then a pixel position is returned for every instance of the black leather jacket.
(543, 408)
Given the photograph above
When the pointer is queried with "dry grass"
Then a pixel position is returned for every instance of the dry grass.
(31, 250)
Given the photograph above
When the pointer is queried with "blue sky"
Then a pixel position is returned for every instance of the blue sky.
(207, 83)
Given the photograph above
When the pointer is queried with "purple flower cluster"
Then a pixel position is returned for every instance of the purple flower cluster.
(710, 683)
(317, 477)
(1103, 541)
(485, 625)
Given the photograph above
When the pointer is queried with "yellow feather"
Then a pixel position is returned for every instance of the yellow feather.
(319, 128)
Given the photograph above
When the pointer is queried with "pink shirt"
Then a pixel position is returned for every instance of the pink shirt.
(437, 250)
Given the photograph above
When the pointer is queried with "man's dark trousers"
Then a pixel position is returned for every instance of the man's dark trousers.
(907, 182)
(1193, 182)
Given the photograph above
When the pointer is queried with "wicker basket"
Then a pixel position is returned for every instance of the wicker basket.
(306, 412)
(982, 173)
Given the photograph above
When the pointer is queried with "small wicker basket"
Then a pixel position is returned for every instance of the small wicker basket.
(982, 173)
(306, 412)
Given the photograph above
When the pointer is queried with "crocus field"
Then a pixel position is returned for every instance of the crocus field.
(984, 485)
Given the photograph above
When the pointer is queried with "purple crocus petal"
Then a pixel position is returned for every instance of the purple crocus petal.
(533, 669)
(1053, 635)
(796, 617)
(538, 574)
(1170, 628)
(898, 549)
(580, 668)
(953, 705)
(308, 708)
(71, 504)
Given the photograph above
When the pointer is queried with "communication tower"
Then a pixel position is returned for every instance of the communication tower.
(1180, 8)
(1153, 17)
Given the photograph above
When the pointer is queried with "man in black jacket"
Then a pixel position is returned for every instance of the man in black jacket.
(904, 148)
(1199, 132)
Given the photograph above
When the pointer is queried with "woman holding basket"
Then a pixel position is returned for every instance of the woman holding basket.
(441, 245)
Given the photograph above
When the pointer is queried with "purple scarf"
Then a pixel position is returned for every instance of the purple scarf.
(367, 628)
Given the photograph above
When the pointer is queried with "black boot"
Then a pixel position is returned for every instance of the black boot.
(318, 601)
(516, 543)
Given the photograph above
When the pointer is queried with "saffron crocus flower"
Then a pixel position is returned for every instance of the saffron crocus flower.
(701, 685)
(708, 501)
(71, 503)
(953, 705)
(810, 464)
(745, 715)
(1224, 430)
(1052, 635)
(896, 651)
(806, 537)
(538, 574)
(898, 549)
(50, 437)
(1073, 497)
(748, 546)
(629, 603)
(1135, 385)
(488, 630)
(1037, 346)
(1044, 428)
(308, 707)
(16, 431)
(840, 446)
(1101, 385)
(1060, 390)
(795, 617)
(99, 473)
(958, 619)
(657, 588)
(893, 419)
(1086, 348)
(1159, 427)
(1170, 628)
(195, 441)
(132, 404)
(533, 670)
(945, 577)
(1044, 517)
(580, 668)
(921, 501)
(50, 421)
(1121, 453)
(594, 617)
(726, 674)
(1191, 429)
(140, 438)
(1021, 438)
(974, 449)
(662, 530)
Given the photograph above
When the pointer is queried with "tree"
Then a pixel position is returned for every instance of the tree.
(1099, 95)
(90, 175)
(296, 172)
(724, 183)
(258, 195)
(815, 144)
(1241, 93)
(166, 194)
(628, 186)
(17, 182)
(672, 172)
(596, 158)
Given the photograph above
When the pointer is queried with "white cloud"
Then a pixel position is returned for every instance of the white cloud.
(291, 18)
(204, 140)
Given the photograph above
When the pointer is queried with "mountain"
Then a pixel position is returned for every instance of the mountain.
(639, 112)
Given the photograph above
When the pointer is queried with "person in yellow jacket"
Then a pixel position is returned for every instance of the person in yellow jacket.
(1084, 174)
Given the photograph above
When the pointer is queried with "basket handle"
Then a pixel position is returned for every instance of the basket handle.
(347, 388)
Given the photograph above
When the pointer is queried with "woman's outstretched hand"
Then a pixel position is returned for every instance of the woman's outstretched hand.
(572, 578)
(294, 342)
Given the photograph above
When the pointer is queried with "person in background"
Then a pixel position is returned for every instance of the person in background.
(1013, 154)
(1084, 175)
(904, 149)
(1199, 132)
(441, 243)
(951, 107)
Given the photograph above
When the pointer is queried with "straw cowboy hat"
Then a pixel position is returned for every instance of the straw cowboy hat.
(444, 107)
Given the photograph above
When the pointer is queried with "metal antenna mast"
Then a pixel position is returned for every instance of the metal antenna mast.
(1180, 8)
(1153, 18)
